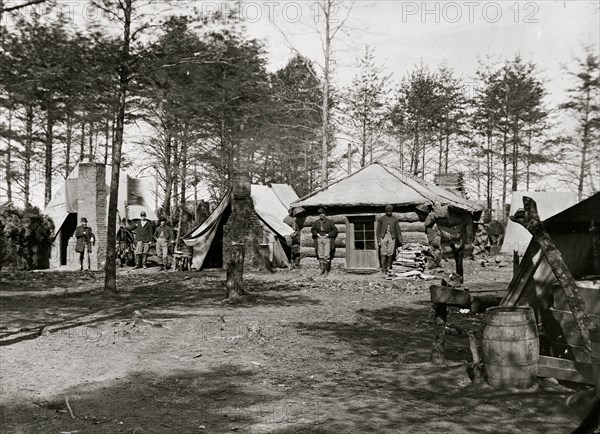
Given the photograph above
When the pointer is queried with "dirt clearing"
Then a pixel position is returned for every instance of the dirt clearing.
(341, 354)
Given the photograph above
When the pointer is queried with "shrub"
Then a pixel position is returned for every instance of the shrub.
(25, 238)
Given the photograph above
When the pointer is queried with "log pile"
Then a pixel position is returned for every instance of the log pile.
(410, 257)
(410, 263)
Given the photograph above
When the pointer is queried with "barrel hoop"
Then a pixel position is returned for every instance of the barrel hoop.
(509, 325)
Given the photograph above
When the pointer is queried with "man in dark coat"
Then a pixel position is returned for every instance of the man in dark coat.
(144, 235)
(324, 233)
(163, 236)
(85, 241)
(389, 237)
(295, 237)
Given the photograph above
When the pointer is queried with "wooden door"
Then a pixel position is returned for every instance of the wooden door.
(361, 244)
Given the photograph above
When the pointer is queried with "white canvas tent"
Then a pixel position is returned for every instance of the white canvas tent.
(134, 196)
(271, 205)
(549, 203)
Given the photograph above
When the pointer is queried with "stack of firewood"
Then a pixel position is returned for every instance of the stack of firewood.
(410, 257)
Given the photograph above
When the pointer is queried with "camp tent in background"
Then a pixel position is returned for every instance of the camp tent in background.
(135, 196)
(535, 285)
(355, 202)
(271, 206)
(549, 203)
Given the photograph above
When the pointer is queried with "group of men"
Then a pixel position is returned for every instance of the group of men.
(324, 232)
(144, 232)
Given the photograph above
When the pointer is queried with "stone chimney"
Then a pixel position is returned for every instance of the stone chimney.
(243, 224)
(91, 192)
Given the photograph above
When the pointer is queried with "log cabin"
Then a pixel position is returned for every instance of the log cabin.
(427, 213)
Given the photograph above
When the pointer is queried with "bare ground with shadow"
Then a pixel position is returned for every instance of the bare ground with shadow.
(307, 354)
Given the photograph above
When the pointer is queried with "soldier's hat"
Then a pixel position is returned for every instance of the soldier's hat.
(83, 220)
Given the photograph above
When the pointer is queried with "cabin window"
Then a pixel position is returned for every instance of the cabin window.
(364, 233)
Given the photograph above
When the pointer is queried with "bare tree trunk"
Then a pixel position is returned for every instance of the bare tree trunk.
(175, 171)
(235, 272)
(446, 152)
(168, 174)
(9, 155)
(515, 155)
(440, 156)
(489, 180)
(106, 139)
(28, 154)
(584, 149)
(110, 281)
(48, 160)
(91, 142)
(327, 6)
(69, 140)
(504, 174)
(82, 143)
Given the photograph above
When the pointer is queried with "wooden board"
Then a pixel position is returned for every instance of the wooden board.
(575, 353)
(567, 370)
(560, 326)
(448, 295)
(590, 294)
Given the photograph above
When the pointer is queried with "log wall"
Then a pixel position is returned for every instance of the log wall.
(413, 231)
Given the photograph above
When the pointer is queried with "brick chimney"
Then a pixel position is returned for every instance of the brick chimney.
(243, 224)
(91, 192)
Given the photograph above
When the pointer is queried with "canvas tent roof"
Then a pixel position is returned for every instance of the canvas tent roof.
(285, 193)
(548, 204)
(268, 206)
(378, 185)
(134, 197)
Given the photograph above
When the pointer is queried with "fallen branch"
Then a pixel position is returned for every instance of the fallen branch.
(69, 407)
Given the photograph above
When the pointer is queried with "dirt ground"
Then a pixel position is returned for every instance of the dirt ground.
(341, 354)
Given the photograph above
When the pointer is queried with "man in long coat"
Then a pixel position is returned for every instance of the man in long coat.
(144, 235)
(389, 237)
(324, 233)
(85, 239)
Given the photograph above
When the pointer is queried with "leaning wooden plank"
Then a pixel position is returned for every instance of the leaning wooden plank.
(563, 369)
(530, 220)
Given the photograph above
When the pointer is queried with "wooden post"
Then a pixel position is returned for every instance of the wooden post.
(439, 330)
(530, 220)
(235, 271)
(515, 261)
(477, 366)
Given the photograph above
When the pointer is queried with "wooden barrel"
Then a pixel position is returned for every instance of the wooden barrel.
(595, 338)
(510, 346)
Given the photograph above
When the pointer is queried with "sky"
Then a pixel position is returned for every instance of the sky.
(406, 33)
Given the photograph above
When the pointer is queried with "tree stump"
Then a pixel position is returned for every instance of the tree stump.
(439, 330)
(235, 272)
(264, 264)
(530, 220)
